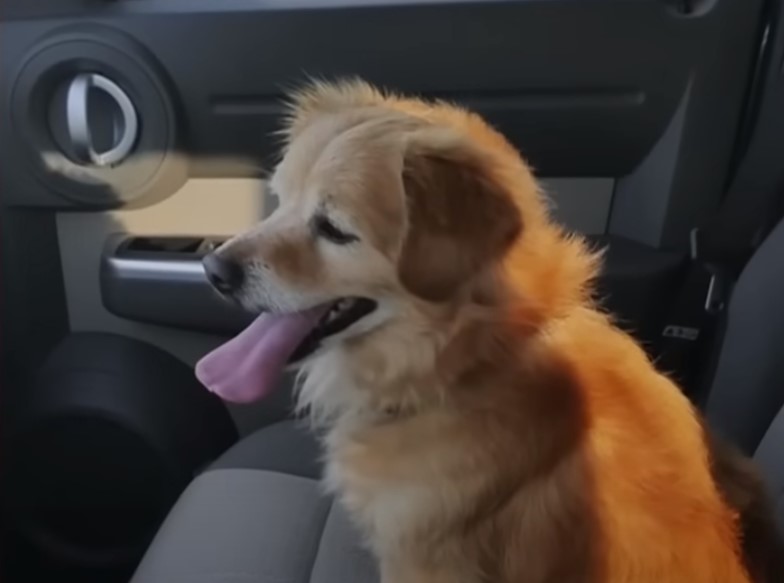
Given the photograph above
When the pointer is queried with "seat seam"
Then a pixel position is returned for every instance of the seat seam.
(263, 470)
(327, 514)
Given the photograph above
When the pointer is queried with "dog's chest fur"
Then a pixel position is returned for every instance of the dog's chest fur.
(375, 453)
(388, 514)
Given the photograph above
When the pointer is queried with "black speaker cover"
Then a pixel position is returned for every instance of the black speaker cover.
(102, 445)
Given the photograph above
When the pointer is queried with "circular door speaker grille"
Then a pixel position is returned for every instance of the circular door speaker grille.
(103, 443)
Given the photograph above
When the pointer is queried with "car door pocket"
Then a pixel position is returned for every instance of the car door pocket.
(160, 280)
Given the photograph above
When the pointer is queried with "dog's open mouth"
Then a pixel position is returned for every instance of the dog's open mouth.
(248, 367)
(340, 316)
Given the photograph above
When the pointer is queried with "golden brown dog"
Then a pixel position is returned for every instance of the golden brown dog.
(484, 421)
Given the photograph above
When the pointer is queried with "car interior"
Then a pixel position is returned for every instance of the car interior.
(136, 136)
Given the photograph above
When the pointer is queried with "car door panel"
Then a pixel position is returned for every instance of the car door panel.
(622, 106)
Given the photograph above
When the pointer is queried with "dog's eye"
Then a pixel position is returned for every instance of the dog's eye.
(327, 229)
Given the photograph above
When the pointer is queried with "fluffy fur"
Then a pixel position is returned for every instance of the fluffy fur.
(487, 423)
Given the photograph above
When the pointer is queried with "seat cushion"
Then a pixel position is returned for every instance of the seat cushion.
(748, 388)
(258, 515)
(287, 447)
(770, 459)
(244, 525)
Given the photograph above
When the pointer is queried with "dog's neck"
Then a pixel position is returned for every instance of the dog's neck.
(408, 366)
(372, 381)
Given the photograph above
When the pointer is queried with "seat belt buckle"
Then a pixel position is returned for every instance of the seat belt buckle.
(716, 296)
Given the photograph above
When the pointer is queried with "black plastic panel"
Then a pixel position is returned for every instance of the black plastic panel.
(516, 62)
(584, 88)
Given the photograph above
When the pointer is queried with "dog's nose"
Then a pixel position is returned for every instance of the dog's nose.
(223, 273)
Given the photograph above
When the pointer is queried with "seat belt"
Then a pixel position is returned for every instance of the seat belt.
(719, 251)
(722, 245)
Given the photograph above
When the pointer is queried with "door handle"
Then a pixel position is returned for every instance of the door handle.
(126, 126)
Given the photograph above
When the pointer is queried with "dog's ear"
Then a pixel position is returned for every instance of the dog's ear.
(461, 218)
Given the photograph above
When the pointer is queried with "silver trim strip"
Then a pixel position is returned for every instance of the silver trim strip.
(163, 270)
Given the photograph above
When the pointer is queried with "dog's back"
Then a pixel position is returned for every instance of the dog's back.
(744, 491)
(659, 513)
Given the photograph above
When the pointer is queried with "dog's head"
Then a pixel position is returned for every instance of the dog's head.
(385, 206)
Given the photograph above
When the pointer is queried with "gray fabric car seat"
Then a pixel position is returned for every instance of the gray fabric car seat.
(287, 447)
(746, 401)
(258, 515)
(770, 458)
(748, 388)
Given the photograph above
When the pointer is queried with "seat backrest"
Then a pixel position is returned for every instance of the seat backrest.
(770, 458)
(748, 387)
(746, 402)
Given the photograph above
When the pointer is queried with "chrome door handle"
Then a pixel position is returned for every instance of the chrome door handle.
(77, 118)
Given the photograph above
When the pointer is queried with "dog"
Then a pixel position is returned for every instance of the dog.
(743, 489)
(483, 420)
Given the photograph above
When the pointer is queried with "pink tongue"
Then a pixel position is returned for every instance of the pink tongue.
(247, 368)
